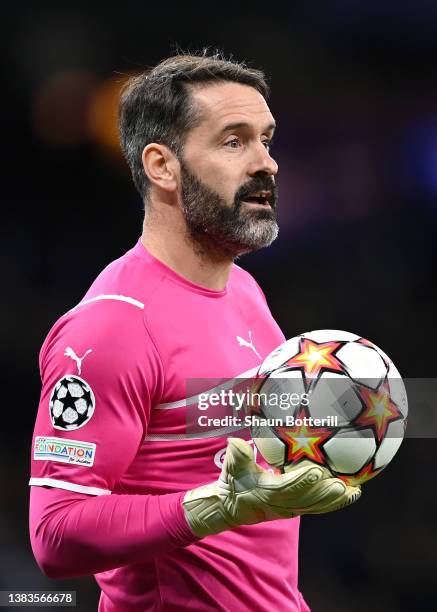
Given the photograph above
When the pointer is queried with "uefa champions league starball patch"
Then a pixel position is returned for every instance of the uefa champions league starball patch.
(72, 403)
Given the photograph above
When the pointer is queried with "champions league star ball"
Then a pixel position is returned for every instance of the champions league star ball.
(71, 403)
(332, 398)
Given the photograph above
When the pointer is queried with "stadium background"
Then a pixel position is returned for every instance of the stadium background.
(355, 94)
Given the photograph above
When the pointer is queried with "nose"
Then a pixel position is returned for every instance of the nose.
(262, 161)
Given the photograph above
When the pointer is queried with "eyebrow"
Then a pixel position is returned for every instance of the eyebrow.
(242, 124)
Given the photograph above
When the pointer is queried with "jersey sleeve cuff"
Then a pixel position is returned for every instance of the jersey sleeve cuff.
(68, 486)
(173, 519)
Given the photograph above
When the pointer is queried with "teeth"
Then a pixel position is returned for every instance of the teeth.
(260, 194)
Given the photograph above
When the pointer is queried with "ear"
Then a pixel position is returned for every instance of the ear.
(161, 166)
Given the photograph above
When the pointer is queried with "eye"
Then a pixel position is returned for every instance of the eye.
(268, 143)
(234, 143)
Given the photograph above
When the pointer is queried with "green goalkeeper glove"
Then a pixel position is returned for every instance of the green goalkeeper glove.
(246, 494)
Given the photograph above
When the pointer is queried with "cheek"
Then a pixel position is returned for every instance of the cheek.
(226, 182)
(221, 175)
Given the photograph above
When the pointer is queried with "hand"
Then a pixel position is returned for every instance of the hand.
(246, 494)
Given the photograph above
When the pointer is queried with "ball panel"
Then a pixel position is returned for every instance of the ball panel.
(390, 445)
(326, 335)
(350, 450)
(335, 395)
(363, 364)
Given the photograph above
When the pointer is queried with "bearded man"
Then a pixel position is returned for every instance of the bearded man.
(167, 519)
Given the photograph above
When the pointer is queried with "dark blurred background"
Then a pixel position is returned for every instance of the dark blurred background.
(355, 94)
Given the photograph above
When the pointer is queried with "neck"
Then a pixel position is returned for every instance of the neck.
(198, 261)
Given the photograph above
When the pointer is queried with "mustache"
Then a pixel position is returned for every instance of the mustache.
(257, 183)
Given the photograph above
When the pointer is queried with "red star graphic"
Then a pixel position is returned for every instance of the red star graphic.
(314, 357)
(379, 410)
(303, 441)
(254, 406)
(365, 474)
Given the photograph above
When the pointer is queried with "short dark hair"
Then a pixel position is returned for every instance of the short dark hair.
(156, 106)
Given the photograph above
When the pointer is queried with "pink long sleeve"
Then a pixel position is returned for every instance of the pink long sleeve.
(74, 534)
(100, 366)
(113, 449)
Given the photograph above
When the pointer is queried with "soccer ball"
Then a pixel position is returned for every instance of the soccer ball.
(71, 403)
(332, 398)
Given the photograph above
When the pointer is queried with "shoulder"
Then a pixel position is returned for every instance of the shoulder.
(106, 341)
(110, 331)
(132, 279)
(97, 324)
(112, 310)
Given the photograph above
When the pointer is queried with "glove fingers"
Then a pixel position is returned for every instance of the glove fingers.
(306, 463)
(332, 498)
(323, 494)
(350, 495)
(301, 477)
(315, 493)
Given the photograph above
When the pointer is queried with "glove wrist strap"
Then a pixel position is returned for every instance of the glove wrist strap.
(205, 512)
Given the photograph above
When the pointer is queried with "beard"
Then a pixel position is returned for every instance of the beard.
(232, 229)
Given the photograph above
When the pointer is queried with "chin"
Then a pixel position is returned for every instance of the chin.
(242, 248)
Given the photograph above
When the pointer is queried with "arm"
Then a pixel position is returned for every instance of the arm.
(74, 534)
(77, 527)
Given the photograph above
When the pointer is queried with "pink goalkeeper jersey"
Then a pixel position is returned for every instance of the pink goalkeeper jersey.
(112, 419)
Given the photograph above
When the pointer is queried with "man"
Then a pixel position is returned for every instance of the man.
(120, 487)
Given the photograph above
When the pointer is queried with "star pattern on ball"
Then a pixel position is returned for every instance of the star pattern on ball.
(303, 441)
(313, 357)
(379, 410)
(365, 474)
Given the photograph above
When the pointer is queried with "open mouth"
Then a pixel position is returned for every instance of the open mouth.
(259, 197)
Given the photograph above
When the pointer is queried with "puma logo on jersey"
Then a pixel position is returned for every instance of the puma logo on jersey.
(243, 342)
(70, 353)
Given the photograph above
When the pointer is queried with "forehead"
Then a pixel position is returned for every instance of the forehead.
(221, 103)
